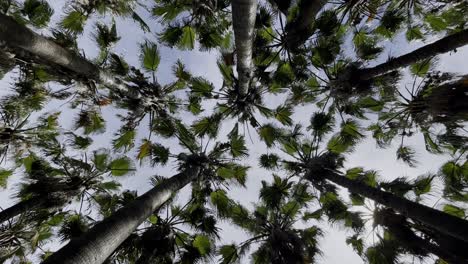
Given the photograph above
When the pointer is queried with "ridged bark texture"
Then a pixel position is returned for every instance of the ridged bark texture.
(436, 219)
(441, 46)
(21, 208)
(96, 245)
(243, 22)
(300, 29)
(18, 36)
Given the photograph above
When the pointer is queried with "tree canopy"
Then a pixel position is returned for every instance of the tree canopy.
(243, 131)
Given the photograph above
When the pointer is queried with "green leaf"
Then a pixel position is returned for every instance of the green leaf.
(39, 12)
(220, 200)
(371, 103)
(269, 161)
(283, 114)
(454, 210)
(109, 185)
(100, 160)
(436, 22)
(414, 33)
(144, 150)
(91, 121)
(187, 40)
(237, 146)
(4, 174)
(203, 244)
(124, 141)
(208, 126)
(149, 56)
(120, 166)
(431, 146)
(317, 214)
(74, 21)
(407, 155)
(159, 154)
(421, 68)
(56, 219)
(229, 254)
(201, 87)
(269, 134)
(153, 219)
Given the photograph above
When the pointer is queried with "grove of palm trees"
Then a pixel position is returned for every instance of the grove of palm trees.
(242, 131)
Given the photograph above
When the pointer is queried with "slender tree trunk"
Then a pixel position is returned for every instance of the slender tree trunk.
(441, 46)
(436, 219)
(300, 29)
(18, 36)
(243, 22)
(22, 207)
(414, 241)
(96, 245)
(398, 227)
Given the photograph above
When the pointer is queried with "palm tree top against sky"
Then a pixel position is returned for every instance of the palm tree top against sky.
(233, 131)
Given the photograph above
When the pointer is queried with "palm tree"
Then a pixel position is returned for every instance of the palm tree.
(438, 99)
(449, 43)
(186, 22)
(47, 189)
(271, 225)
(450, 250)
(164, 237)
(21, 237)
(243, 22)
(322, 167)
(196, 165)
(20, 38)
(300, 28)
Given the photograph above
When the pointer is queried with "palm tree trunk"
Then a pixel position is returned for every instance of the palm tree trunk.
(96, 245)
(243, 22)
(20, 37)
(436, 219)
(441, 46)
(22, 207)
(300, 29)
(408, 238)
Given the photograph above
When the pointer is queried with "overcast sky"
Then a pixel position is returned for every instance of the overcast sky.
(204, 64)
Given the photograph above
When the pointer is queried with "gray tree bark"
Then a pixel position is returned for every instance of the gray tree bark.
(243, 22)
(21, 208)
(96, 245)
(19, 36)
(300, 29)
(441, 46)
(443, 222)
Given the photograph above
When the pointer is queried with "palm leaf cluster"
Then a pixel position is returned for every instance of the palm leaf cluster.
(72, 173)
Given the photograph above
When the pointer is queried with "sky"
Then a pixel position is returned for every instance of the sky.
(203, 64)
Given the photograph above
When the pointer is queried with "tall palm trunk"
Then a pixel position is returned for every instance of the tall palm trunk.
(22, 208)
(96, 245)
(436, 219)
(243, 21)
(300, 29)
(443, 45)
(19, 37)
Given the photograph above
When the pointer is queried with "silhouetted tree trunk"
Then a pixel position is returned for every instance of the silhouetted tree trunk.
(441, 46)
(22, 207)
(300, 29)
(445, 223)
(243, 21)
(399, 227)
(18, 36)
(96, 245)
